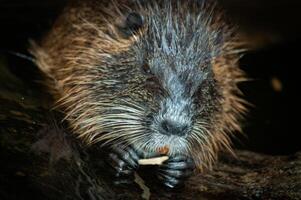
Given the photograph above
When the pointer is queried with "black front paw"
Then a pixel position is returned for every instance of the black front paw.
(175, 171)
(123, 163)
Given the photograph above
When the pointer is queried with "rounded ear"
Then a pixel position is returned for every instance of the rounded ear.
(133, 22)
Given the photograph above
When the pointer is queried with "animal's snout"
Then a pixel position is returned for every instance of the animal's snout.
(169, 127)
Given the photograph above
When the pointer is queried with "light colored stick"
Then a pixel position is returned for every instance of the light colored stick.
(153, 161)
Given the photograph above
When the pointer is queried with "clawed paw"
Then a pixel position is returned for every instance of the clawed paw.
(123, 162)
(172, 173)
(175, 171)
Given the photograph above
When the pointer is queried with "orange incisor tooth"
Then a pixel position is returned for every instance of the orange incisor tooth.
(163, 150)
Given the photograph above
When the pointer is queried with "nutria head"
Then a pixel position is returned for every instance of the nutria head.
(151, 74)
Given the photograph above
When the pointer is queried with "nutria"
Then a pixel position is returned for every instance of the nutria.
(140, 76)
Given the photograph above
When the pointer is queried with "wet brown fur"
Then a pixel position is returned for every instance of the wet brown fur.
(79, 41)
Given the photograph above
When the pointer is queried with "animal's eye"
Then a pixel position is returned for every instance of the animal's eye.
(146, 69)
(134, 21)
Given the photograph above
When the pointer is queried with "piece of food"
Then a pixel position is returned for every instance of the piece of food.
(153, 161)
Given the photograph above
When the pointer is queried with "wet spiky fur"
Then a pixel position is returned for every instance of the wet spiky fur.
(94, 68)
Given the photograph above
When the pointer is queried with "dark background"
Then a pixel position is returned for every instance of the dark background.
(272, 27)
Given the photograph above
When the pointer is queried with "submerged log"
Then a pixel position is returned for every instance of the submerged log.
(41, 160)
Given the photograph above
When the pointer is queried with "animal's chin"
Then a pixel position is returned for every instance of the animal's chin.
(174, 145)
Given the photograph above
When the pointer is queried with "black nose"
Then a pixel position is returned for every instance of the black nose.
(173, 128)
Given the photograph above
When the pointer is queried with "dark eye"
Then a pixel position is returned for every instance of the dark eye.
(134, 21)
(146, 69)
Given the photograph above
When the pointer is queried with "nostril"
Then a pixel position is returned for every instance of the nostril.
(166, 126)
(173, 128)
(184, 128)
